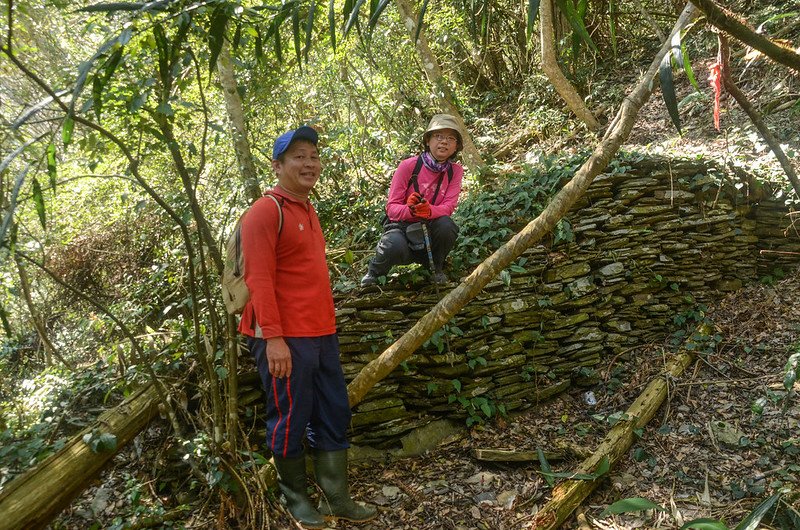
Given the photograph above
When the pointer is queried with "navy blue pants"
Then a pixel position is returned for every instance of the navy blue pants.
(311, 403)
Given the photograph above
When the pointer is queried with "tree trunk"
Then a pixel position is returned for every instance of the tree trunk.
(725, 21)
(553, 71)
(471, 156)
(452, 303)
(241, 143)
(33, 499)
(569, 494)
(37, 321)
(753, 114)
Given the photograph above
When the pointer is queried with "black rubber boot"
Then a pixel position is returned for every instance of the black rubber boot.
(293, 484)
(330, 468)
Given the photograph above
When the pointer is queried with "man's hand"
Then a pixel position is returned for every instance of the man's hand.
(414, 199)
(279, 358)
(422, 210)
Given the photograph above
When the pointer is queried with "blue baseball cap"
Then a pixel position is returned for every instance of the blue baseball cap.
(284, 140)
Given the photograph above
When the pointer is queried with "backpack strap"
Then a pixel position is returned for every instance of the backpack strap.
(279, 203)
(415, 174)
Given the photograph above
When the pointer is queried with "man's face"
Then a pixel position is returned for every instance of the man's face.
(299, 170)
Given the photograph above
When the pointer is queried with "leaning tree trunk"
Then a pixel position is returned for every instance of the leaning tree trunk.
(471, 156)
(235, 109)
(33, 499)
(569, 494)
(452, 303)
(553, 71)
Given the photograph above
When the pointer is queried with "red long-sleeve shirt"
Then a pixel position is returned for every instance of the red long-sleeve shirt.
(287, 275)
(399, 190)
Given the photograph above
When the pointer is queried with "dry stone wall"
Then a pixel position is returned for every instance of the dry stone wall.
(650, 241)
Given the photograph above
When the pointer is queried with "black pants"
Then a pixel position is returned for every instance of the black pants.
(393, 248)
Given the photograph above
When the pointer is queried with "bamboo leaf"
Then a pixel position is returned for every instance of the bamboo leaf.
(687, 68)
(259, 46)
(751, 521)
(420, 19)
(631, 504)
(576, 23)
(546, 469)
(38, 201)
(4, 319)
(296, 35)
(237, 37)
(278, 48)
(373, 20)
(51, 164)
(332, 23)
(533, 12)
(66, 130)
(668, 91)
(309, 28)
(34, 109)
(216, 36)
(353, 16)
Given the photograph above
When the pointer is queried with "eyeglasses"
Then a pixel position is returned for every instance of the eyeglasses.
(442, 138)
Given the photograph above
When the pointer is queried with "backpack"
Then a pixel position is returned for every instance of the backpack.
(235, 293)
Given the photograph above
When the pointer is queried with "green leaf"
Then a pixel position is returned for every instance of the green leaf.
(456, 384)
(296, 34)
(791, 371)
(51, 164)
(259, 46)
(576, 22)
(216, 36)
(631, 504)
(66, 130)
(373, 20)
(278, 44)
(353, 16)
(309, 29)
(705, 524)
(687, 68)
(546, 469)
(38, 200)
(222, 372)
(420, 20)
(751, 521)
(107, 442)
(100, 82)
(668, 91)
(533, 12)
(332, 23)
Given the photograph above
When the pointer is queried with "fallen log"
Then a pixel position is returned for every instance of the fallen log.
(33, 499)
(568, 495)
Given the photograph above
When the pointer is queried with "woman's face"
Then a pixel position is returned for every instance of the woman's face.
(443, 143)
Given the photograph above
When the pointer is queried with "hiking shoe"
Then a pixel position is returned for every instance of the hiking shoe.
(439, 278)
(368, 280)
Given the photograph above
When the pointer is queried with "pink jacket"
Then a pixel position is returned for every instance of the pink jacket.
(401, 188)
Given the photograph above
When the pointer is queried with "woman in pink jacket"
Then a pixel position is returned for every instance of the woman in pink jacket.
(424, 189)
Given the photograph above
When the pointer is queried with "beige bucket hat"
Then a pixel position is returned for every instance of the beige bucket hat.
(444, 121)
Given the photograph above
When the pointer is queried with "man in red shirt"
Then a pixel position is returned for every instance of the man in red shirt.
(290, 326)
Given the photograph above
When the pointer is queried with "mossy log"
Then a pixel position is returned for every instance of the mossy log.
(33, 499)
(568, 495)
